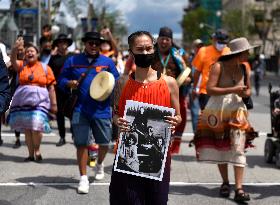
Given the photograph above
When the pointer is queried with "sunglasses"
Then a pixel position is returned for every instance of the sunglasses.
(96, 43)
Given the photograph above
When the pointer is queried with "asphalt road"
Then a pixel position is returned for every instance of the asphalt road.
(54, 181)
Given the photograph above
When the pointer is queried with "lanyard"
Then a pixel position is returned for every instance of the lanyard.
(164, 63)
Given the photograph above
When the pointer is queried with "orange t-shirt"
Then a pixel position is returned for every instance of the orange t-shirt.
(107, 53)
(35, 75)
(203, 61)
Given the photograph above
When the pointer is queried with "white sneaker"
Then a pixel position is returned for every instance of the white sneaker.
(99, 171)
(83, 185)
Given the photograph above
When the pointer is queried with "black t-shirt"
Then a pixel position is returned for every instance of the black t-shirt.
(56, 63)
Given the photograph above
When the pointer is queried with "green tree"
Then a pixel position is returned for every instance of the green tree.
(114, 21)
(194, 25)
(236, 23)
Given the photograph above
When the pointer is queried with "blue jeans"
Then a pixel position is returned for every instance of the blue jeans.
(194, 108)
(85, 129)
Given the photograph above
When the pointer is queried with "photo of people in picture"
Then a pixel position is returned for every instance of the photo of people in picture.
(142, 149)
(129, 153)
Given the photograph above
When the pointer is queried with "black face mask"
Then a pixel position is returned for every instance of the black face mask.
(144, 60)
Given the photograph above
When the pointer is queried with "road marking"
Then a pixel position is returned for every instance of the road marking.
(107, 184)
(53, 134)
(190, 134)
(12, 134)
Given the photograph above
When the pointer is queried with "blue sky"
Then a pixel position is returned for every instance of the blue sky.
(148, 15)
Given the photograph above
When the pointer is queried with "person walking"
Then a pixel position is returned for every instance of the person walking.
(223, 125)
(193, 102)
(258, 66)
(169, 61)
(5, 92)
(56, 62)
(34, 101)
(203, 61)
(14, 83)
(90, 116)
(145, 85)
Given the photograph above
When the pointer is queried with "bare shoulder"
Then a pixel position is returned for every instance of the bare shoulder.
(216, 68)
(170, 81)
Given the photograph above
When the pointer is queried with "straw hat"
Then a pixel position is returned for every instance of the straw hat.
(239, 45)
(102, 86)
(183, 75)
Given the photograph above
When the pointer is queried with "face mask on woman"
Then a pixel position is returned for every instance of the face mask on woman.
(143, 60)
(220, 46)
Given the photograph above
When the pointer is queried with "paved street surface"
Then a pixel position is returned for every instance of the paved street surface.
(54, 181)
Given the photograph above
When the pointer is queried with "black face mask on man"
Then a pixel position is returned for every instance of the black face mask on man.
(143, 60)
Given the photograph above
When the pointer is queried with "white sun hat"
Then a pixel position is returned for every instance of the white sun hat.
(239, 45)
(102, 86)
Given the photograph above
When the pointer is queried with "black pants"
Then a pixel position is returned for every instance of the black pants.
(203, 99)
(60, 96)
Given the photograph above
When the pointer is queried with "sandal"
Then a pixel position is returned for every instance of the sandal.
(241, 196)
(225, 189)
(29, 159)
(38, 158)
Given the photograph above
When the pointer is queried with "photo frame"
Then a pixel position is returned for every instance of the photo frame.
(143, 150)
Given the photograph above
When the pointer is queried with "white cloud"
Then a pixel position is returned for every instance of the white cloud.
(147, 15)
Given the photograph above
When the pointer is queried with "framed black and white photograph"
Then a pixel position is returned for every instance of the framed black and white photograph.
(142, 151)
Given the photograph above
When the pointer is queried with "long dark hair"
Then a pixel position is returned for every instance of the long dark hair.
(131, 38)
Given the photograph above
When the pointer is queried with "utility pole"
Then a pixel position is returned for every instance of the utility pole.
(89, 15)
(39, 20)
(49, 12)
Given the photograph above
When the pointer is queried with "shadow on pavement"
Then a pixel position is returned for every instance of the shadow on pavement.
(56, 161)
(183, 158)
(258, 161)
(256, 192)
(49, 180)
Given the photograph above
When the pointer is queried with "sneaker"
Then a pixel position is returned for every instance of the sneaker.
(99, 171)
(60, 142)
(17, 144)
(83, 185)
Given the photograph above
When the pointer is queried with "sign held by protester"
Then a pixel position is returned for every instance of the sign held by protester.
(142, 151)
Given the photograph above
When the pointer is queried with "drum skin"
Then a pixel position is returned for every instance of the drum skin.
(102, 86)
(183, 75)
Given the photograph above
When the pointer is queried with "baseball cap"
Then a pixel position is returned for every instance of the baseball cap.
(221, 36)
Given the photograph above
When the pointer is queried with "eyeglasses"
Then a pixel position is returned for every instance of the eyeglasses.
(96, 43)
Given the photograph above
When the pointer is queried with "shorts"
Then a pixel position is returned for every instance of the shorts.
(87, 131)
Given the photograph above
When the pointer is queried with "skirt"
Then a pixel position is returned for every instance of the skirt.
(29, 109)
(221, 133)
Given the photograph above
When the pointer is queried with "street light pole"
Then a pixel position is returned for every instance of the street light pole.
(89, 15)
(49, 12)
(39, 19)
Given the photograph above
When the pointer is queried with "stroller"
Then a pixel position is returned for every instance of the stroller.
(272, 143)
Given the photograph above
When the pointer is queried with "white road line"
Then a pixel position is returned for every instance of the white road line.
(107, 184)
(11, 134)
(185, 134)
(190, 134)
